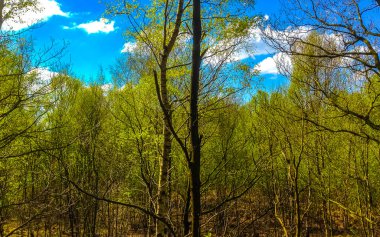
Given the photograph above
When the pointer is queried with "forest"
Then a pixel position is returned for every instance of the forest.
(185, 141)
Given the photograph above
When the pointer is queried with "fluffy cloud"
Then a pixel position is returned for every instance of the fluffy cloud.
(102, 25)
(280, 62)
(239, 49)
(275, 64)
(129, 47)
(44, 77)
(283, 40)
(25, 18)
(44, 74)
(267, 66)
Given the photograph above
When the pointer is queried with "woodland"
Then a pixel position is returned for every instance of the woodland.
(185, 142)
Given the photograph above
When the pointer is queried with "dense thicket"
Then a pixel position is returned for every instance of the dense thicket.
(82, 160)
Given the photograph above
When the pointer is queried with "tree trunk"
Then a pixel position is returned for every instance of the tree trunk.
(195, 163)
(163, 183)
(163, 197)
(186, 212)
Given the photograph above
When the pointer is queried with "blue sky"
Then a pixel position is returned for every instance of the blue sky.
(94, 42)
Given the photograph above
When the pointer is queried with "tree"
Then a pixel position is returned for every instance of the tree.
(25, 102)
(195, 164)
(167, 55)
(334, 67)
(346, 49)
(162, 56)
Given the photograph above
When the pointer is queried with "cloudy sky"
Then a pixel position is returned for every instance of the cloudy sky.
(94, 41)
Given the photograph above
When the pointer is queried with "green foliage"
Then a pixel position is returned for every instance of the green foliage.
(304, 158)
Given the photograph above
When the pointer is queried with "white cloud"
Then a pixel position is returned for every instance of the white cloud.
(279, 63)
(129, 47)
(102, 25)
(42, 11)
(107, 87)
(239, 49)
(267, 66)
(254, 45)
(256, 42)
(275, 64)
(227, 51)
(44, 76)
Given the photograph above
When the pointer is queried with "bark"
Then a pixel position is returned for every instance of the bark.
(186, 212)
(163, 201)
(163, 190)
(195, 163)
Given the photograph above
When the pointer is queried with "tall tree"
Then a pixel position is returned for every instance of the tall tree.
(195, 164)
